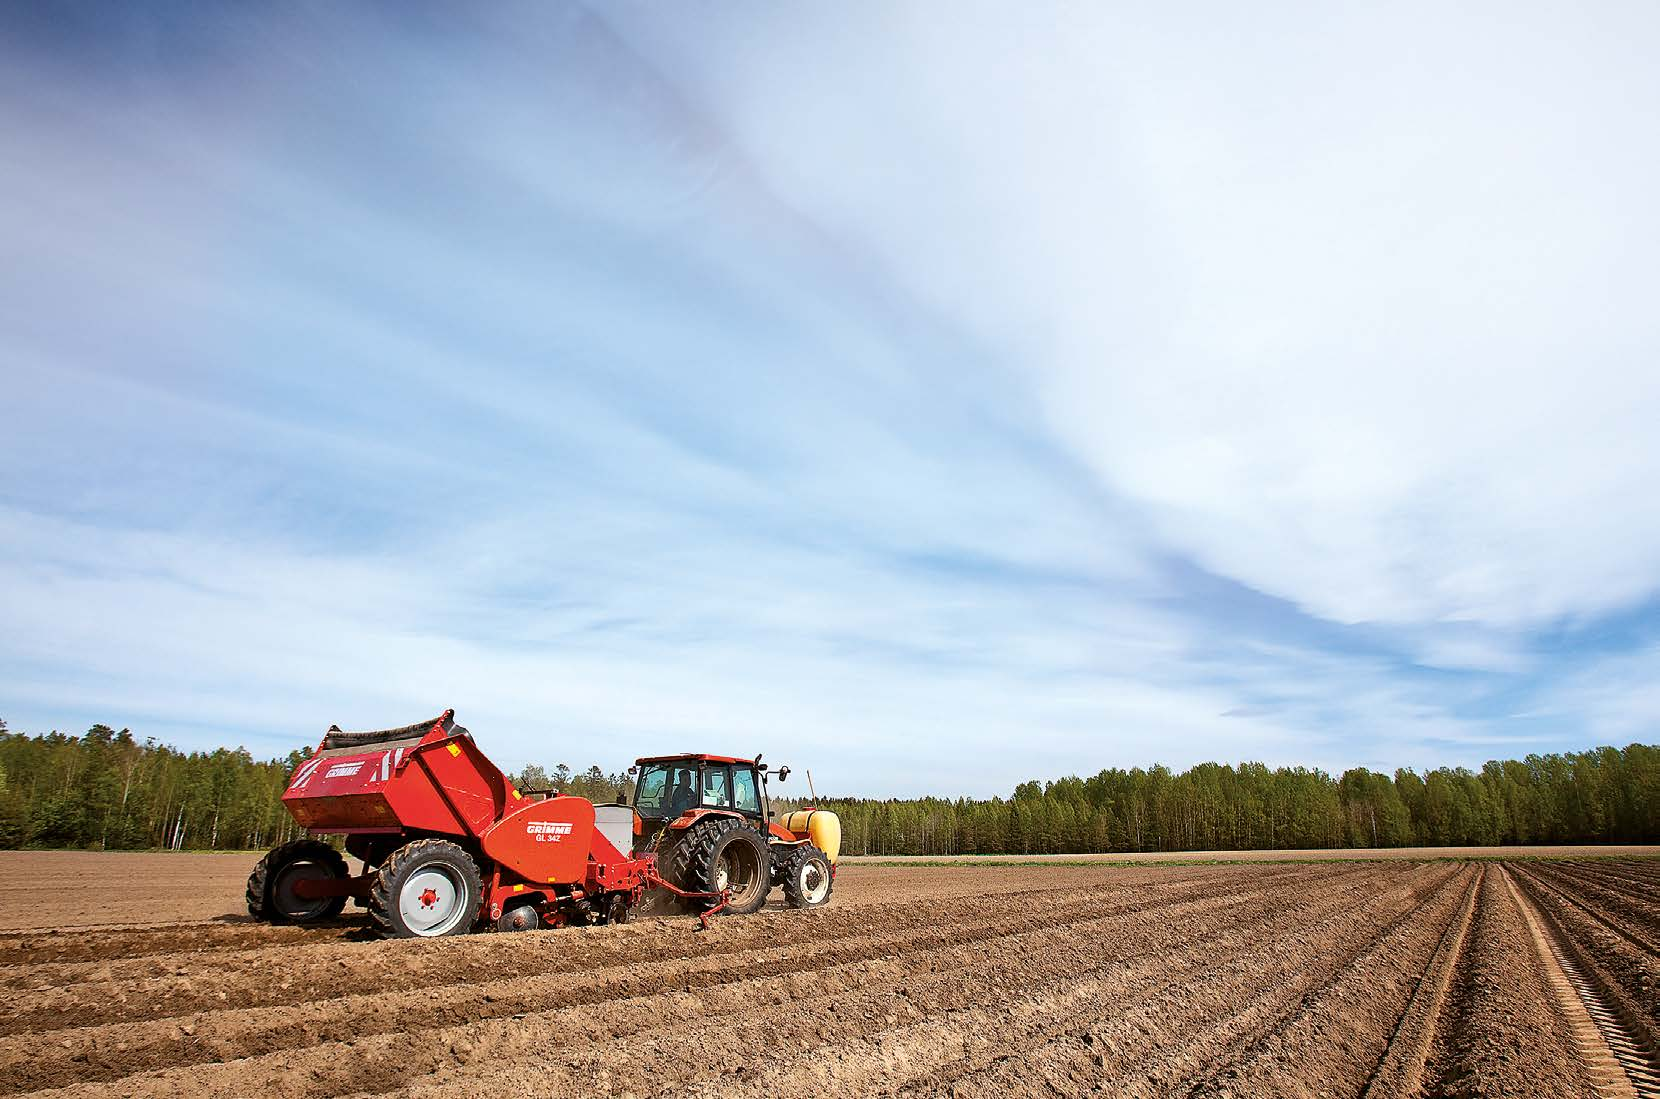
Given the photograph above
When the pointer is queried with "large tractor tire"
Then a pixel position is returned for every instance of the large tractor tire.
(806, 877)
(426, 889)
(271, 893)
(724, 853)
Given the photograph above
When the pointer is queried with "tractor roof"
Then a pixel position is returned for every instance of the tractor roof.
(701, 757)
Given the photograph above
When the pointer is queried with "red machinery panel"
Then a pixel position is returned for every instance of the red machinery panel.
(461, 790)
(546, 841)
(434, 780)
(345, 790)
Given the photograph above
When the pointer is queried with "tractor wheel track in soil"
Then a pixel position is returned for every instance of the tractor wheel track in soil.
(1618, 1048)
(113, 1050)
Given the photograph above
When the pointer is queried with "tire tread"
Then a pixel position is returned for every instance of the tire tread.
(690, 861)
(792, 876)
(382, 898)
(258, 893)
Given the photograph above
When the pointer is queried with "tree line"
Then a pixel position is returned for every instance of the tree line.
(109, 790)
(1604, 795)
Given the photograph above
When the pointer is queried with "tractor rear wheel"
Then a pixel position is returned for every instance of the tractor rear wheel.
(426, 889)
(725, 853)
(807, 877)
(271, 894)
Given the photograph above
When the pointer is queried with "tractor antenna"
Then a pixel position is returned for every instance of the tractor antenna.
(810, 789)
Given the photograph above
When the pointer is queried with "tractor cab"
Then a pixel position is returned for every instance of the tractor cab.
(665, 787)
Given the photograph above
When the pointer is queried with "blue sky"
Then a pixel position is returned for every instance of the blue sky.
(932, 396)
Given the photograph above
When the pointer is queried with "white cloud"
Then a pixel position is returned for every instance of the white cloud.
(1357, 306)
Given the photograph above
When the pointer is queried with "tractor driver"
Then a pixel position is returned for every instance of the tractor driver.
(683, 792)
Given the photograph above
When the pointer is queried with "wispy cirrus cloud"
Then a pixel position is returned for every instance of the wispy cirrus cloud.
(945, 403)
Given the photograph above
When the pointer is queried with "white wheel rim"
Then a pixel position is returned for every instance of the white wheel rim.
(815, 883)
(431, 901)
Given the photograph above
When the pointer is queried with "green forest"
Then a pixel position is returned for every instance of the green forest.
(111, 790)
(1605, 795)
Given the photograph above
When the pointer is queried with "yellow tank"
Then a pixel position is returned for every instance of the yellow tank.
(821, 826)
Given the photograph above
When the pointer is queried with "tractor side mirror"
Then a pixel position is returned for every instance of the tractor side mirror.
(783, 773)
(634, 770)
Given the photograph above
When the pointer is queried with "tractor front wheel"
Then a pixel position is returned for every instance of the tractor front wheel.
(271, 893)
(426, 889)
(807, 877)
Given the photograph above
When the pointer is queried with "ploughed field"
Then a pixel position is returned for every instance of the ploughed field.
(1384, 978)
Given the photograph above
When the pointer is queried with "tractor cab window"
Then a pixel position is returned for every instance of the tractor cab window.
(665, 790)
(744, 796)
(717, 792)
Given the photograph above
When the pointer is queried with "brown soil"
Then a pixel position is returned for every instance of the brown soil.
(1322, 854)
(1340, 978)
(1479, 1050)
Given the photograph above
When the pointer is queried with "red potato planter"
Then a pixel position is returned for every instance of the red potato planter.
(449, 845)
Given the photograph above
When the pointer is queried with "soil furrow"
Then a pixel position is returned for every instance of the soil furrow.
(1222, 1035)
(1626, 917)
(1401, 1069)
(962, 1045)
(387, 1057)
(1638, 879)
(953, 1050)
(1325, 1030)
(32, 948)
(1123, 954)
(1329, 1037)
(1344, 978)
(1131, 1050)
(117, 972)
(295, 977)
(111, 1050)
(858, 887)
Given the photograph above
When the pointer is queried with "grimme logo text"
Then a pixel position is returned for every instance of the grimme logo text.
(548, 831)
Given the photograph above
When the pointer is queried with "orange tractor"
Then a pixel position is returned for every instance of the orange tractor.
(448, 844)
(708, 821)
